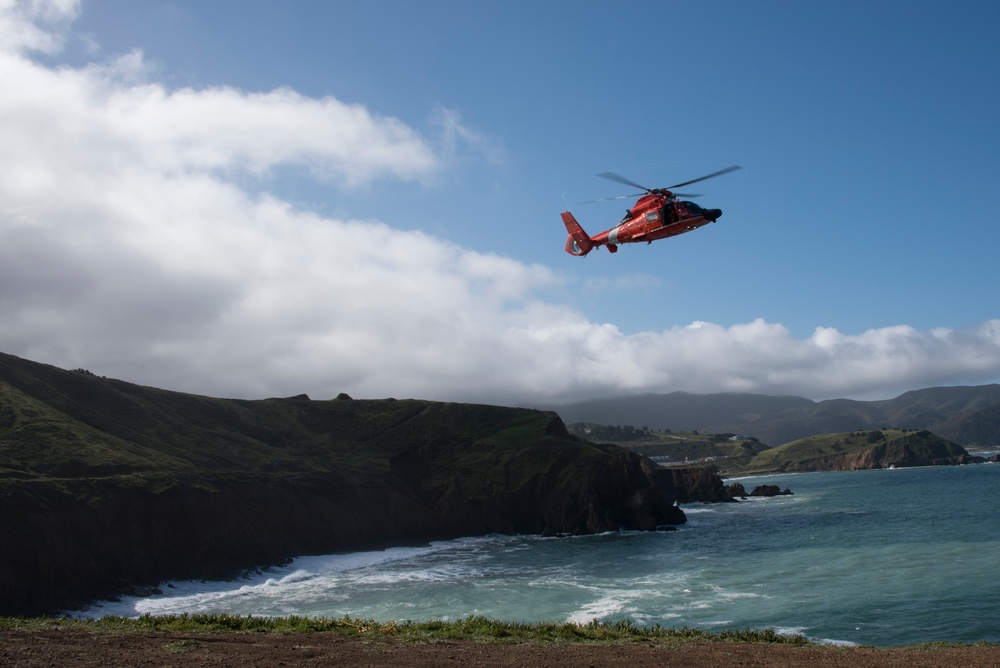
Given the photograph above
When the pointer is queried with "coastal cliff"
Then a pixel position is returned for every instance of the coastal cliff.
(107, 486)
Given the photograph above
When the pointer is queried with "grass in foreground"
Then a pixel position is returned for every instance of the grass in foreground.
(477, 628)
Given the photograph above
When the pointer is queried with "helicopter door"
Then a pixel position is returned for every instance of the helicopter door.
(672, 212)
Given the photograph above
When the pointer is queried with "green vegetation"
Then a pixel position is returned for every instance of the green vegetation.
(57, 425)
(857, 450)
(675, 448)
(477, 628)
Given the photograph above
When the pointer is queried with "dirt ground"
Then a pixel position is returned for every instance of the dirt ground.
(76, 647)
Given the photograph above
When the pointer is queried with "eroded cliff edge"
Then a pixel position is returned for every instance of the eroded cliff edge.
(105, 485)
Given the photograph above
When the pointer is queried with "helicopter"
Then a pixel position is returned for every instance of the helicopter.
(658, 214)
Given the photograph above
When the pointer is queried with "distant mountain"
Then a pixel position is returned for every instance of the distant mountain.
(679, 411)
(980, 427)
(966, 415)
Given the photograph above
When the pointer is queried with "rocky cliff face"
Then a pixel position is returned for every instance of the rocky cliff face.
(699, 484)
(67, 541)
(919, 448)
(105, 486)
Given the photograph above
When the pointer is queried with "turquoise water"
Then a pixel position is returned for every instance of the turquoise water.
(868, 557)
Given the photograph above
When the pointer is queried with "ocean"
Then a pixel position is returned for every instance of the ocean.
(862, 557)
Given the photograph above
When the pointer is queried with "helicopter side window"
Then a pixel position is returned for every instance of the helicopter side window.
(693, 208)
(652, 216)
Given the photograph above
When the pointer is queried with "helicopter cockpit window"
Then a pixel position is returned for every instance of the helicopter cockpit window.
(693, 208)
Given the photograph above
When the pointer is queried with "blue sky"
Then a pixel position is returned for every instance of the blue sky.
(256, 199)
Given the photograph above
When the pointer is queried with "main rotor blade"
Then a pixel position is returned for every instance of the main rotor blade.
(707, 176)
(611, 176)
(608, 199)
(611, 199)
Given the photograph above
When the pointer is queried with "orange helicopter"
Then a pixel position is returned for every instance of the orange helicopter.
(657, 214)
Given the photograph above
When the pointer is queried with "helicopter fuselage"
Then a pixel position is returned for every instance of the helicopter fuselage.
(654, 216)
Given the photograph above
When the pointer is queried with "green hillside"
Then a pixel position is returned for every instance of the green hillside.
(96, 427)
(875, 449)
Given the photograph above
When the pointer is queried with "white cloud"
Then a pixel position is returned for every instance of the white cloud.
(103, 123)
(35, 25)
(128, 246)
(457, 138)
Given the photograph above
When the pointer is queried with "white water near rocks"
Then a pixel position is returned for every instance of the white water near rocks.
(868, 557)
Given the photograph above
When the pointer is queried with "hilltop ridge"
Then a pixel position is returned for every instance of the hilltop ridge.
(969, 416)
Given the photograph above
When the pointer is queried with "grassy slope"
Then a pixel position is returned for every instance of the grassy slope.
(61, 424)
(478, 628)
(139, 436)
(854, 450)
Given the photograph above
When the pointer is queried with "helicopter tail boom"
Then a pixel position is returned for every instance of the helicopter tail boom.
(578, 242)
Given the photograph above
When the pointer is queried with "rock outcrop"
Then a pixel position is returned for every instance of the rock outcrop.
(699, 484)
(769, 490)
(738, 491)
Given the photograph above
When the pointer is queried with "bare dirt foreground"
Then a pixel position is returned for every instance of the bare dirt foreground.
(78, 647)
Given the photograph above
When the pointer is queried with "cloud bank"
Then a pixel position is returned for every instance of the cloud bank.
(131, 245)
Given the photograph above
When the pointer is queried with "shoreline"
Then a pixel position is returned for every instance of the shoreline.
(606, 602)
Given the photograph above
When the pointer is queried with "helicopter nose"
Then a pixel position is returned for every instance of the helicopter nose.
(713, 214)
